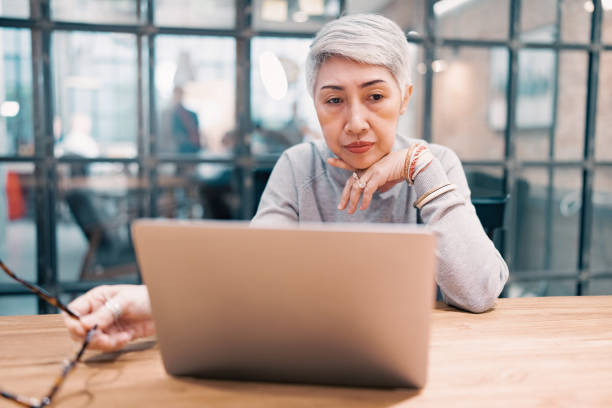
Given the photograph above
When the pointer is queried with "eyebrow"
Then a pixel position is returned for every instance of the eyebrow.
(364, 85)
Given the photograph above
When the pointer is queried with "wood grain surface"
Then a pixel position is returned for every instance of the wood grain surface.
(529, 352)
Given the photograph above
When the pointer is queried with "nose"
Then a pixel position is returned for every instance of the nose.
(356, 123)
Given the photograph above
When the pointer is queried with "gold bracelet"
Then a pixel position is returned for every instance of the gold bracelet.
(432, 194)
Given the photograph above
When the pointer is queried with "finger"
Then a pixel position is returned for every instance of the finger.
(93, 299)
(371, 187)
(332, 161)
(82, 305)
(75, 327)
(354, 196)
(106, 342)
(345, 194)
(102, 316)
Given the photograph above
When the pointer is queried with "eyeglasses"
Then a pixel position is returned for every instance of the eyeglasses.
(45, 401)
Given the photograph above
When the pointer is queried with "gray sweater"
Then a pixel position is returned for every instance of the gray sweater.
(304, 188)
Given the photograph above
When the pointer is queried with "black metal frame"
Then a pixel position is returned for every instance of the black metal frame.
(41, 27)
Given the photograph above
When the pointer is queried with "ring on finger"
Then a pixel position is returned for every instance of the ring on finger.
(114, 308)
(359, 182)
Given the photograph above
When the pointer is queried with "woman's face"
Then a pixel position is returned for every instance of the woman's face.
(358, 106)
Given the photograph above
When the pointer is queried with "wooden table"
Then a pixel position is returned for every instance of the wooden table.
(530, 352)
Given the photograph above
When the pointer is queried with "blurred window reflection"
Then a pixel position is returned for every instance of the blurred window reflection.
(532, 231)
(603, 135)
(16, 130)
(15, 8)
(96, 11)
(536, 113)
(195, 13)
(97, 202)
(95, 89)
(606, 33)
(601, 257)
(17, 219)
(473, 19)
(469, 116)
(282, 109)
(195, 87)
(409, 14)
(574, 21)
(208, 190)
(293, 15)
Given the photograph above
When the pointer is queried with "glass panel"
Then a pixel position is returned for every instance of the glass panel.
(18, 220)
(198, 191)
(606, 34)
(16, 130)
(472, 19)
(575, 21)
(539, 21)
(411, 122)
(409, 14)
(601, 257)
(468, 117)
(293, 15)
(282, 108)
(603, 136)
(536, 100)
(571, 105)
(599, 287)
(14, 8)
(95, 204)
(95, 85)
(534, 103)
(96, 11)
(195, 13)
(21, 305)
(195, 88)
(485, 181)
(565, 287)
(546, 245)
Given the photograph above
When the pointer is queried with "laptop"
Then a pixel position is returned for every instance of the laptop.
(337, 304)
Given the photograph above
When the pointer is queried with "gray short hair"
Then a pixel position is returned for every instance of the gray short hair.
(367, 38)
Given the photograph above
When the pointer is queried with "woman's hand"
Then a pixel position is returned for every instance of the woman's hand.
(133, 321)
(381, 176)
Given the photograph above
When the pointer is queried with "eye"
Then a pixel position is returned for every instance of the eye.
(376, 97)
(334, 101)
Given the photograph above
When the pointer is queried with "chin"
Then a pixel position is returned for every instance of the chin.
(362, 163)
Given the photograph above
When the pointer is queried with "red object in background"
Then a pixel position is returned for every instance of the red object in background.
(14, 196)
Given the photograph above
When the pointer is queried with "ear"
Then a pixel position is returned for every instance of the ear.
(405, 99)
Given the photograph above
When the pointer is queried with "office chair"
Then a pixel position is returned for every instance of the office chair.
(109, 254)
(490, 211)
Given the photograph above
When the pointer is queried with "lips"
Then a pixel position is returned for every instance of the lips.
(359, 147)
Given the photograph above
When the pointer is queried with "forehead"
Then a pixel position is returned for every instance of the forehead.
(343, 71)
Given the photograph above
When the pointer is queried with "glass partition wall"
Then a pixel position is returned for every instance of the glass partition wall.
(114, 110)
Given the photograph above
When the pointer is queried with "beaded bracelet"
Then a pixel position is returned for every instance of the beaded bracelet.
(418, 158)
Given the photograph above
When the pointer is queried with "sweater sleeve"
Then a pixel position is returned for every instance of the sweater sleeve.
(279, 200)
(471, 272)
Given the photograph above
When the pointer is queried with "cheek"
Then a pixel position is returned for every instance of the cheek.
(331, 125)
(386, 127)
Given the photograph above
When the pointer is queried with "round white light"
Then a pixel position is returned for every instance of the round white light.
(439, 65)
(273, 75)
(9, 109)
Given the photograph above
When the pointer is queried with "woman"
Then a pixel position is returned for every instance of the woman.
(358, 74)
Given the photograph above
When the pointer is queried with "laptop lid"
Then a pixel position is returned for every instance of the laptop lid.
(324, 304)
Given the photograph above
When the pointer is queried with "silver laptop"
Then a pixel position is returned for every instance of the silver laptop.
(335, 304)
